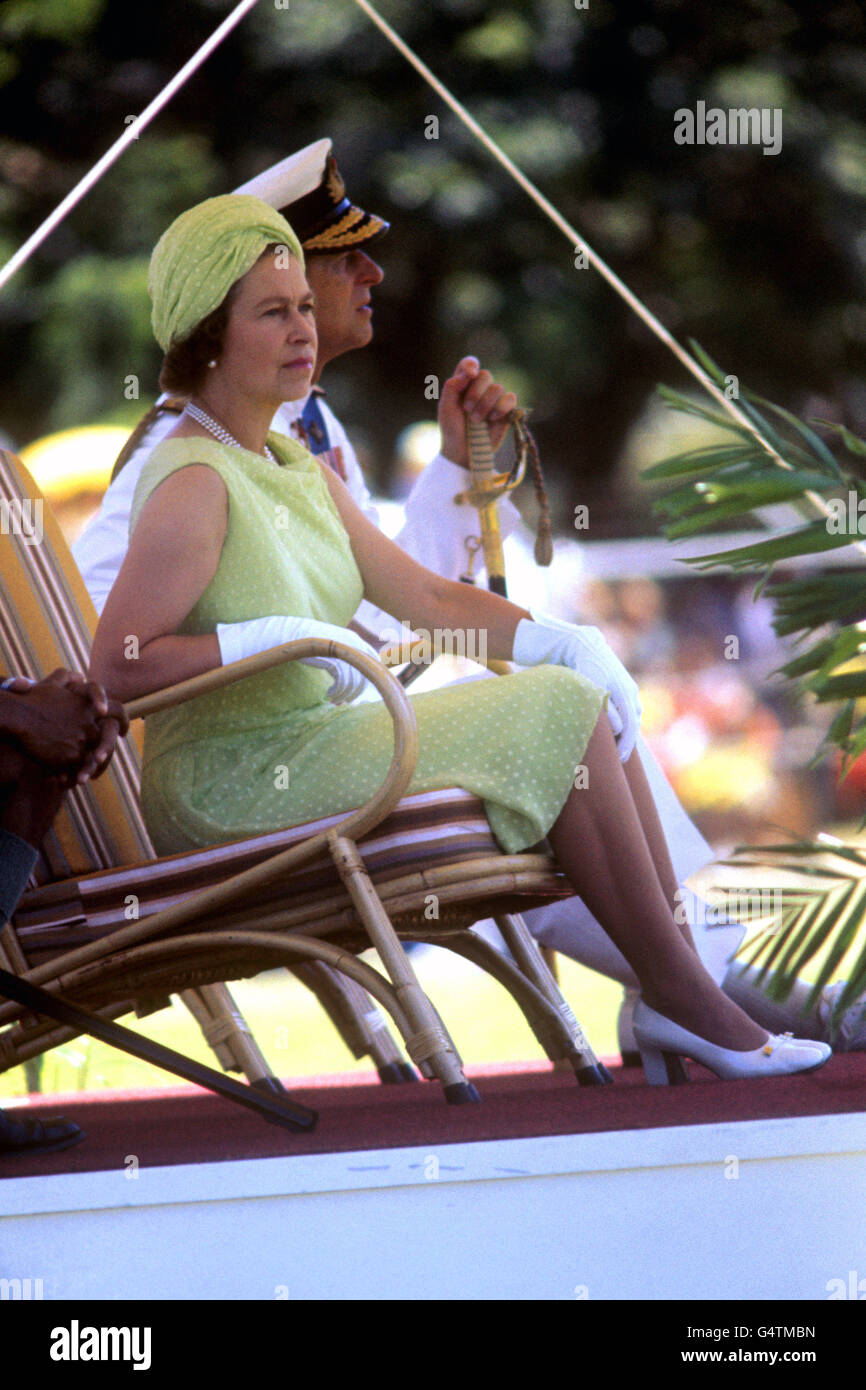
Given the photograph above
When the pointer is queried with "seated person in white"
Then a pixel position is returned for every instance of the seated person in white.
(308, 189)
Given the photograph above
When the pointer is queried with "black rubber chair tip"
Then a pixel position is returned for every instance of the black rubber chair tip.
(298, 1118)
(396, 1073)
(461, 1093)
(269, 1085)
(593, 1076)
(606, 1076)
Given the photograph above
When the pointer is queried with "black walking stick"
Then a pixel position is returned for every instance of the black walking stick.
(289, 1114)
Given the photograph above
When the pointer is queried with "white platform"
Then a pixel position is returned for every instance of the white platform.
(771, 1209)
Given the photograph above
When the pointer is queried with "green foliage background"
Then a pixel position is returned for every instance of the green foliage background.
(759, 257)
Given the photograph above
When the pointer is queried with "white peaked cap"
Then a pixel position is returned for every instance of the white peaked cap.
(292, 178)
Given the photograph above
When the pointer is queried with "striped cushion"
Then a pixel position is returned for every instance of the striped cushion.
(47, 620)
(424, 831)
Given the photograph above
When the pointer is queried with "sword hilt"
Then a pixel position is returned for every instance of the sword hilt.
(481, 461)
(483, 473)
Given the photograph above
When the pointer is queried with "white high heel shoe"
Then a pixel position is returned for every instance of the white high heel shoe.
(663, 1045)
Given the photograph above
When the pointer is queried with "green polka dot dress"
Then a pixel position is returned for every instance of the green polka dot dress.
(271, 751)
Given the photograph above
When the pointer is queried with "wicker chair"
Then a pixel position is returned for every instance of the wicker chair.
(109, 926)
(48, 620)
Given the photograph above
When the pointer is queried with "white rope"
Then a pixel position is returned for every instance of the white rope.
(579, 243)
(132, 132)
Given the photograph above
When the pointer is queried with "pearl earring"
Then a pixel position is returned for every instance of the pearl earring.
(212, 363)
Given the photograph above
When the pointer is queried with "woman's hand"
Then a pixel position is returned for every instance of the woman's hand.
(472, 394)
(239, 640)
(584, 650)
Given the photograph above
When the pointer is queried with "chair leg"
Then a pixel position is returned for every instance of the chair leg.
(532, 962)
(552, 963)
(548, 955)
(542, 1018)
(229, 1034)
(152, 963)
(358, 1020)
(429, 1042)
(547, 1021)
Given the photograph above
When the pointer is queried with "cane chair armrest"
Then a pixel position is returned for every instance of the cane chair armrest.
(355, 824)
(405, 757)
(400, 654)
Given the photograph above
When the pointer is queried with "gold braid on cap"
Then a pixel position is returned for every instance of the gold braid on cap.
(323, 241)
(501, 483)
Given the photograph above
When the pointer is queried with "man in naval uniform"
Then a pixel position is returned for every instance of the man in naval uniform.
(336, 235)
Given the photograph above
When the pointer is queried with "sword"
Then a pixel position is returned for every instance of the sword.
(485, 495)
(484, 481)
(487, 486)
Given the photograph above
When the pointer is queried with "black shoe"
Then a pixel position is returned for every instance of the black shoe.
(37, 1136)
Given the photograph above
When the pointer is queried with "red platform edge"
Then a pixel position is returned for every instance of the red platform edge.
(356, 1112)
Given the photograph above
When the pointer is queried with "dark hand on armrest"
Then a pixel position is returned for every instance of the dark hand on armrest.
(65, 724)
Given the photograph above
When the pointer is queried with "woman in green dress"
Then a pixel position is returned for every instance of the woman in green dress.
(235, 534)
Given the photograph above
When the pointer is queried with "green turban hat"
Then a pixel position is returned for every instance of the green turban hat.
(203, 253)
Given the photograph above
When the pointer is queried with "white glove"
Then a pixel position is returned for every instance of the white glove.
(238, 640)
(585, 651)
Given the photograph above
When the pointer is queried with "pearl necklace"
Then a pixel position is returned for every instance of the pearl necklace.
(220, 432)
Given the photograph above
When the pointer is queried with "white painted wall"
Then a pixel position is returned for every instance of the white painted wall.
(652, 1214)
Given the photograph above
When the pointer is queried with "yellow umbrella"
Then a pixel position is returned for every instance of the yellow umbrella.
(74, 461)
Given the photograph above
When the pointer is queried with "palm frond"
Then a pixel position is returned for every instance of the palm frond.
(821, 913)
(730, 482)
(809, 540)
(852, 443)
(785, 460)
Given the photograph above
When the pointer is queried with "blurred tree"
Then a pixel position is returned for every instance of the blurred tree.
(758, 256)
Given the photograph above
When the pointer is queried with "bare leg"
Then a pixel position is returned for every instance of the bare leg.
(600, 842)
(739, 984)
(655, 838)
